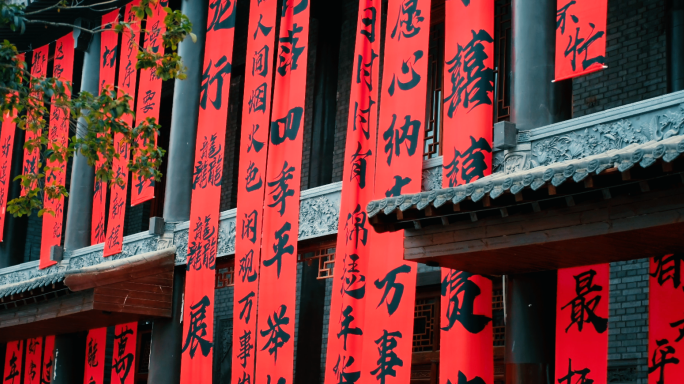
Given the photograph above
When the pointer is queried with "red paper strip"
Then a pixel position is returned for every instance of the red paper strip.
(348, 301)
(13, 358)
(198, 312)
(127, 83)
(95, 356)
(251, 188)
(149, 97)
(582, 324)
(580, 37)
(48, 360)
(391, 296)
(469, 90)
(59, 135)
(278, 264)
(666, 320)
(109, 49)
(34, 351)
(39, 66)
(123, 360)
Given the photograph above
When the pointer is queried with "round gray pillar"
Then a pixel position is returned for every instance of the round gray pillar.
(77, 234)
(186, 94)
(675, 46)
(167, 337)
(12, 245)
(536, 100)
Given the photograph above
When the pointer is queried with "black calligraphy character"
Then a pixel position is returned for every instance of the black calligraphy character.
(247, 301)
(364, 71)
(389, 283)
(3, 173)
(277, 336)
(473, 161)
(462, 293)
(681, 330)
(345, 323)
(100, 230)
(260, 62)
(363, 116)
(388, 358)
(202, 250)
(290, 126)
(340, 370)
(113, 239)
(249, 224)
(123, 361)
(660, 359)
(59, 56)
(32, 345)
(152, 39)
(399, 183)
(32, 371)
(369, 21)
(289, 51)
(13, 371)
(268, 377)
(359, 166)
(355, 226)
(407, 20)
(260, 27)
(109, 57)
(92, 353)
(246, 270)
(140, 184)
(117, 205)
(297, 9)
(128, 74)
(582, 373)
(46, 378)
(220, 8)
(472, 81)
(252, 173)
(561, 15)
(257, 101)
(280, 247)
(281, 190)
(354, 283)
(462, 379)
(223, 68)
(39, 62)
(6, 146)
(406, 67)
(30, 166)
(245, 379)
(253, 142)
(581, 45)
(668, 267)
(197, 329)
(396, 137)
(245, 347)
(208, 169)
(582, 308)
(148, 101)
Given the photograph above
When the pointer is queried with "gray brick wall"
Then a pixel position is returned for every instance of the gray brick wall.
(326, 321)
(34, 232)
(223, 333)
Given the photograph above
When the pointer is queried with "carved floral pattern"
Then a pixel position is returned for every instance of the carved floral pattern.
(432, 178)
(318, 217)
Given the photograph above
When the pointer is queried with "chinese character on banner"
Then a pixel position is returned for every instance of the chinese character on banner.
(580, 37)
(123, 358)
(95, 356)
(13, 362)
(34, 352)
(48, 360)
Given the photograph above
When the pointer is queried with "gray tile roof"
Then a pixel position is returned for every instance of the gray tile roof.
(28, 285)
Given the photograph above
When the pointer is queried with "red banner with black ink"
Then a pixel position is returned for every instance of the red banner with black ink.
(149, 96)
(95, 356)
(39, 66)
(109, 50)
(14, 355)
(123, 357)
(127, 83)
(666, 320)
(468, 91)
(580, 37)
(582, 324)
(58, 137)
(390, 297)
(278, 265)
(348, 298)
(48, 360)
(198, 312)
(251, 187)
(33, 361)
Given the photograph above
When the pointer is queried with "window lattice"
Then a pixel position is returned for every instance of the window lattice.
(325, 257)
(425, 324)
(225, 274)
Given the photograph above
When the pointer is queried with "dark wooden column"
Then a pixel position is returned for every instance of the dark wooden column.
(675, 46)
(12, 246)
(69, 364)
(310, 327)
(167, 338)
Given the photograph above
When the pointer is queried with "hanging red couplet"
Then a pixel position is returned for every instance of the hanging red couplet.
(127, 83)
(123, 359)
(468, 90)
(198, 312)
(57, 137)
(666, 320)
(278, 265)
(48, 360)
(109, 49)
(34, 353)
(466, 329)
(39, 64)
(582, 324)
(13, 358)
(95, 356)
(251, 188)
(348, 298)
(580, 37)
(149, 96)
(391, 295)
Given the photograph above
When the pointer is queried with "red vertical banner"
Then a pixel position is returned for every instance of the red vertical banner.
(58, 137)
(109, 51)
(95, 356)
(582, 324)
(48, 360)
(39, 64)
(256, 114)
(127, 83)
(468, 91)
(198, 310)
(6, 146)
(580, 37)
(278, 264)
(123, 359)
(390, 295)
(34, 351)
(666, 320)
(348, 299)
(13, 359)
(149, 95)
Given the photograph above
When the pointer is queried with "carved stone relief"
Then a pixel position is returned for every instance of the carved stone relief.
(318, 216)
(432, 178)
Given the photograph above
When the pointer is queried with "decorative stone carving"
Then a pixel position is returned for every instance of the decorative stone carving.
(226, 241)
(516, 161)
(497, 161)
(131, 248)
(317, 217)
(667, 125)
(180, 240)
(622, 375)
(31, 272)
(432, 178)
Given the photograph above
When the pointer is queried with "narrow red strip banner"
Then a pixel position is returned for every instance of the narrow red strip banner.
(34, 354)
(198, 310)
(251, 187)
(127, 83)
(348, 299)
(13, 358)
(95, 356)
(580, 37)
(666, 320)
(582, 324)
(468, 90)
(149, 97)
(63, 70)
(48, 360)
(123, 359)
(109, 50)
(39, 65)
(278, 264)
(390, 299)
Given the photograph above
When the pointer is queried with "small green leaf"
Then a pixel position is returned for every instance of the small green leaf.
(193, 37)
